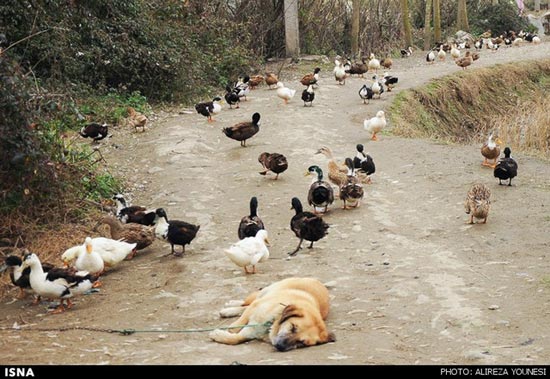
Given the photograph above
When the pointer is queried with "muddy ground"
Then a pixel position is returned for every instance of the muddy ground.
(410, 282)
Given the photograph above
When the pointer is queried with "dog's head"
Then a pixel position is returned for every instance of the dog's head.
(297, 328)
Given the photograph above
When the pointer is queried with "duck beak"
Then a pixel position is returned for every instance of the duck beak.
(306, 173)
(267, 242)
(89, 248)
(65, 264)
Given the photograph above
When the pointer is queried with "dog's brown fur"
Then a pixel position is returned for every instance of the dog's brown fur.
(297, 307)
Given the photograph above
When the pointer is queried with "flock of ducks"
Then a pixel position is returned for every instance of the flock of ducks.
(134, 228)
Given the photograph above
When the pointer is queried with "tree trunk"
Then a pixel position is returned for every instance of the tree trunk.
(427, 26)
(462, 16)
(537, 5)
(406, 22)
(356, 11)
(437, 21)
(292, 36)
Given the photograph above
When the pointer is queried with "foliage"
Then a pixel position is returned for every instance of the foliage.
(167, 50)
(498, 18)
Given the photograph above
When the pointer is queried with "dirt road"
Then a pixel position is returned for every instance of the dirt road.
(410, 282)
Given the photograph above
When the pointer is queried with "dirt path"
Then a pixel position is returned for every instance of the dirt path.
(410, 282)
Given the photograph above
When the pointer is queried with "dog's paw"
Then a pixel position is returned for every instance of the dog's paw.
(234, 303)
(218, 335)
(231, 312)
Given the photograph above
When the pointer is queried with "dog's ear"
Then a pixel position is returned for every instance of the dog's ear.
(331, 337)
(289, 312)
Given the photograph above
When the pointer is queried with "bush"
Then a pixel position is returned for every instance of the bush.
(498, 18)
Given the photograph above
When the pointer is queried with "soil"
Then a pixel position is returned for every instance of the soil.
(410, 282)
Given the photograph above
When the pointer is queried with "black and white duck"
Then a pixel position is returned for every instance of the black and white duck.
(95, 131)
(20, 276)
(209, 108)
(320, 194)
(306, 225)
(133, 213)
(231, 97)
(363, 161)
(174, 231)
(308, 95)
(251, 224)
(57, 283)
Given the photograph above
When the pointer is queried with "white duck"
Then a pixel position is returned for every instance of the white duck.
(249, 251)
(339, 72)
(57, 283)
(455, 53)
(111, 251)
(377, 88)
(285, 93)
(375, 124)
(374, 64)
(91, 261)
(441, 54)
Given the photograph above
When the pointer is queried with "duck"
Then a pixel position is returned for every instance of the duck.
(274, 162)
(20, 276)
(358, 68)
(57, 282)
(249, 251)
(375, 124)
(255, 81)
(306, 225)
(174, 231)
(336, 174)
(244, 130)
(374, 64)
(90, 261)
(311, 79)
(465, 61)
(136, 119)
(320, 194)
(242, 89)
(377, 88)
(441, 54)
(475, 56)
(339, 72)
(251, 224)
(143, 236)
(478, 45)
(285, 93)
(491, 150)
(111, 251)
(134, 213)
(478, 202)
(308, 95)
(455, 53)
(366, 93)
(351, 191)
(271, 79)
(231, 97)
(506, 168)
(364, 161)
(405, 53)
(386, 63)
(207, 109)
(390, 81)
(430, 57)
(95, 131)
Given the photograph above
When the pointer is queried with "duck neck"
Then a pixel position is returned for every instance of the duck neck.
(113, 224)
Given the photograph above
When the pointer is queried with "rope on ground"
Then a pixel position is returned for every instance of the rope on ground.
(129, 331)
